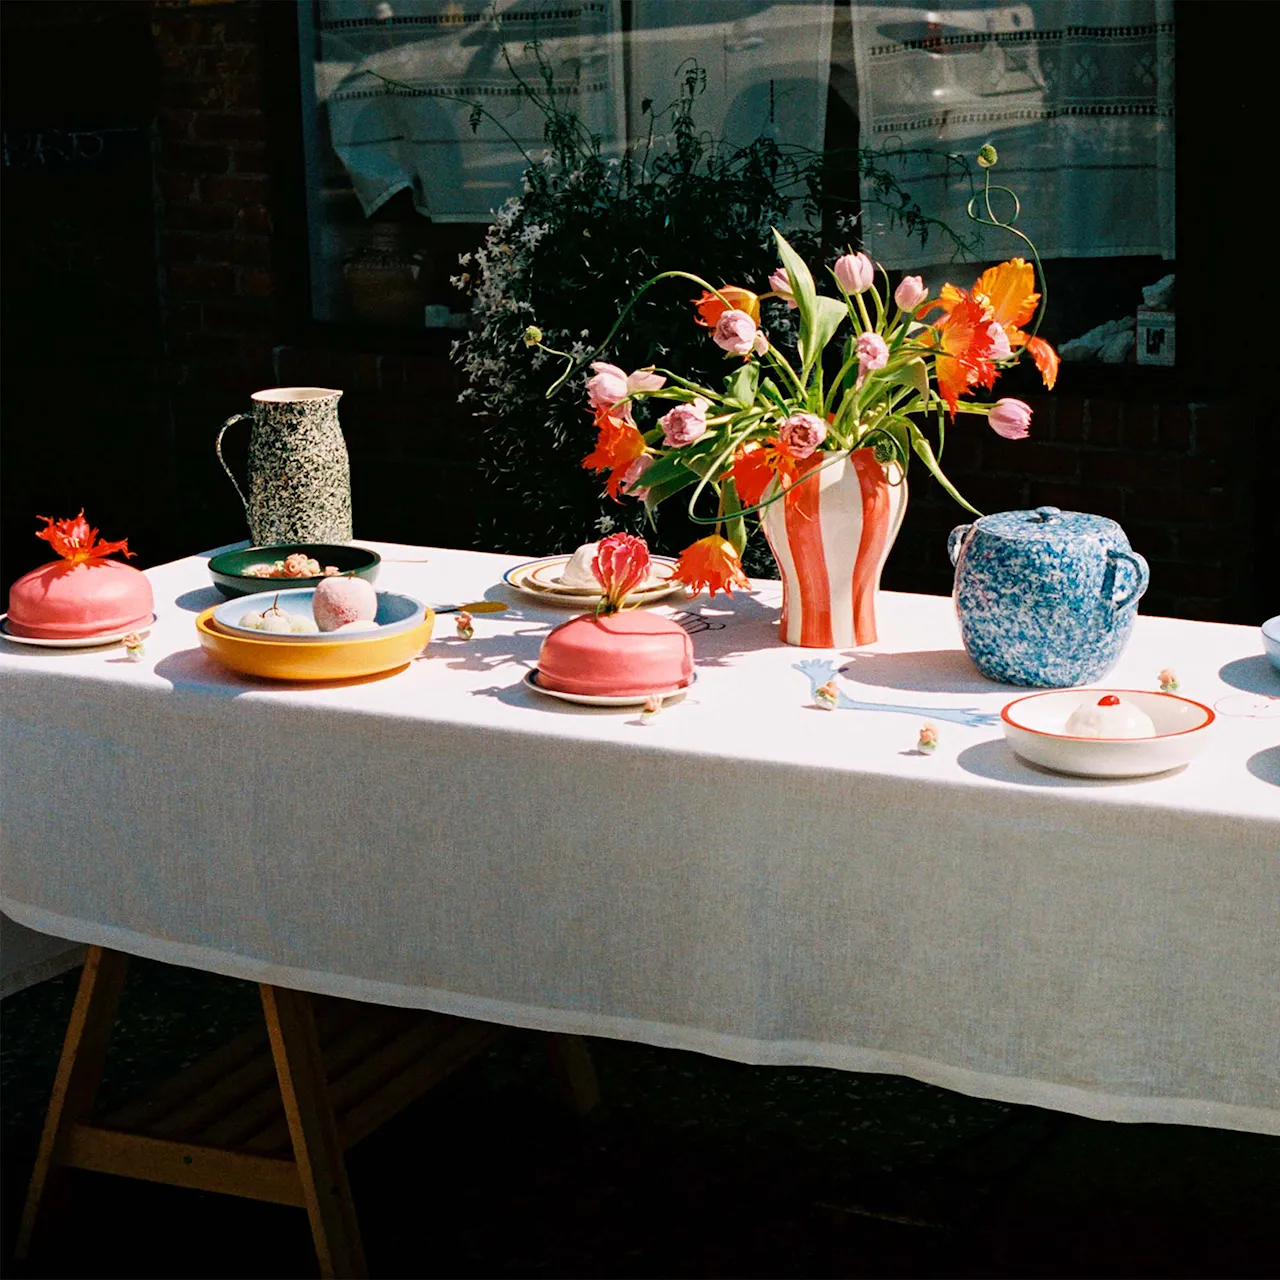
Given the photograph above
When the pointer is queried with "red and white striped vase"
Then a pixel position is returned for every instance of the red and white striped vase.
(831, 536)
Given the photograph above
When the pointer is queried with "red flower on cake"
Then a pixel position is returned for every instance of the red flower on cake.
(622, 565)
(75, 541)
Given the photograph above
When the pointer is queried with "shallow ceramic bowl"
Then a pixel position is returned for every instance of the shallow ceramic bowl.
(395, 613)
(338, 658)
(228, 569)
(1035, 728)
(1271, 640)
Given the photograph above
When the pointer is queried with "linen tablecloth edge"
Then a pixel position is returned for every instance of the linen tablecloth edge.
(1017, 1091)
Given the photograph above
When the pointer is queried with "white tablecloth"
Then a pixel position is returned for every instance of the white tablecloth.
(744, 875)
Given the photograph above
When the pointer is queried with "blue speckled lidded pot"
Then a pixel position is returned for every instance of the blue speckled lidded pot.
(1045, 597)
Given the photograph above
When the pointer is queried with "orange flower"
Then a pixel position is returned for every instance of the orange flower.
(1046, 359)
(618, 445)
(75, 541)
(710, 308)
(964, 350)
(755, 465)
(1009, 290)
(1008, 295)
(711, 562)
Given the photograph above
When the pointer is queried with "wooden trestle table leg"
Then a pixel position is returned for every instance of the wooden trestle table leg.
(317, 1150)
(571, 1060)
(75, 1086)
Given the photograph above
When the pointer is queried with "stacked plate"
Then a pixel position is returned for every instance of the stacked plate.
(541, 580)
(402, 632)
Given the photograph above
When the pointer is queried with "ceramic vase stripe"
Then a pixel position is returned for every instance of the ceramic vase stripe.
(831, 536)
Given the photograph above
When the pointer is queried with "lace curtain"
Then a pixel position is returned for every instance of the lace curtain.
(1076, 95)
(395, 79)
(399, 77)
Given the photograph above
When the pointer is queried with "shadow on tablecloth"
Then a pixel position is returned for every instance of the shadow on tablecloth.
(1265, 765)
(1253, 675)
(923, 671)
(995, 759)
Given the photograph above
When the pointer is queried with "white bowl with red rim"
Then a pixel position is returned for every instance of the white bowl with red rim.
(1035, 727)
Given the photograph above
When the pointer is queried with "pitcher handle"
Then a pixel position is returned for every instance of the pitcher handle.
(955, 540)
(1141, 577)
(231, 421)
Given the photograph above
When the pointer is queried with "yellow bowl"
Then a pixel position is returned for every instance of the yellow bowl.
(361, 654)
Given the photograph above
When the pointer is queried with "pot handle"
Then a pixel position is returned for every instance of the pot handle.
(231, 421)
(955, 540)
(1141, 576)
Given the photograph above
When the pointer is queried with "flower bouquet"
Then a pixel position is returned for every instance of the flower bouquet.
(816, 441)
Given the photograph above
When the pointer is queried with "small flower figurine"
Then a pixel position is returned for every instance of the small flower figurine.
(928, 742)
(134, 649)
(465, 625)
(652, 705)
(1168, 681)
(827, 696)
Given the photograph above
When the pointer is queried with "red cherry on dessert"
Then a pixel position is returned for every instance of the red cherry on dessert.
(1109, 700)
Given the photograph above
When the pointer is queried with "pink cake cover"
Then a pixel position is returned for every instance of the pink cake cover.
(618, 655)
(82, 594)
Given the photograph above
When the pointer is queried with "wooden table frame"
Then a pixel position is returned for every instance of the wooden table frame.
(267, 1116)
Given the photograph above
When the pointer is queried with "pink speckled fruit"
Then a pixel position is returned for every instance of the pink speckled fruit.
(341, 600)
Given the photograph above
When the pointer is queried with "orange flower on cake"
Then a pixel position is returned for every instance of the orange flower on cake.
(711, 562)
(76, 541)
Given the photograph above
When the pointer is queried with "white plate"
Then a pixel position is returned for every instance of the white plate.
(598, 700)
(1034, 726)
(87, 642)
(533, 579)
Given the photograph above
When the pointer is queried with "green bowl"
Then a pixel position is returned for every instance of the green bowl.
(228, 569)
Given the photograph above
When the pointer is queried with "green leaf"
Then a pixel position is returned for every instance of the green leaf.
(661, 492)
(827, 316)
(668, 467)
(740, 387)
(735, 527)
(803, 288)
(915, 374)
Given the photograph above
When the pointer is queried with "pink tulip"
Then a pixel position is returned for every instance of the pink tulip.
(801, 434)
(1010, 418)
(855, 272)
(611, 384)
(761, 344)
(1000, 348)
(633, 473)
(910, 293)
(621, 564)
(873, 354)
(607, 387)
(736, 333)
(780, 283)
(685, 423)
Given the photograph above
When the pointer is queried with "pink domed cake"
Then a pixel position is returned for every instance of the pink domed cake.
(82, 594)
(618, 655)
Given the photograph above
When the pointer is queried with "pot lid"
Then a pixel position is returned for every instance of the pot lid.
(1049, 524)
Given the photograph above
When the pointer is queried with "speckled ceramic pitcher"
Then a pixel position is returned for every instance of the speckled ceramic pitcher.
(299, 474)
